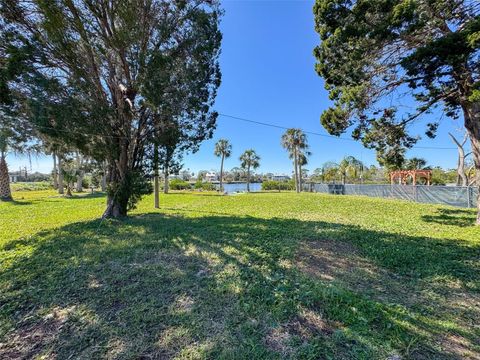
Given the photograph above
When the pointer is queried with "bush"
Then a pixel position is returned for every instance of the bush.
(278, 185)
(85, 183)
(200, 185)
(178, 184)
(31, 186)
(208, 186)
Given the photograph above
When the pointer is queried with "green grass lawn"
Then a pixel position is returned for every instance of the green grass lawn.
(255, 276)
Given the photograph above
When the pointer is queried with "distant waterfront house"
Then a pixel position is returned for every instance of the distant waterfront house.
(211, 176)
(280, 177)
(14, 176)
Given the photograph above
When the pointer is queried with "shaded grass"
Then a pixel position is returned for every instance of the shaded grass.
(224, 277)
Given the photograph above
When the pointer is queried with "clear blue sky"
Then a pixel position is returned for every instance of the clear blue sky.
(268, 76)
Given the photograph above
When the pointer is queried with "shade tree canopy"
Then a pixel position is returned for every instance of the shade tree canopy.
(374, 54)
(100, 71)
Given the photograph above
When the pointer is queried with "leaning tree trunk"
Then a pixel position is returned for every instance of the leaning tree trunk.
(5, 192)
(461, 161)
(472, 124)
(60, 175)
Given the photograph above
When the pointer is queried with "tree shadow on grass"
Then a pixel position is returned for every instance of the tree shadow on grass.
(453, 217)
(16, 202)
(156, 286)
(85, 195)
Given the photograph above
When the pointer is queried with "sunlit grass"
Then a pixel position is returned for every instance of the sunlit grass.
(274, 275)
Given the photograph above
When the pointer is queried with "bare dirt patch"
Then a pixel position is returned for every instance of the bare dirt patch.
(342, 262)
(306, 325)
(30, 340)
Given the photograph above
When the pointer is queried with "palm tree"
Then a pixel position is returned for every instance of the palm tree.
(249, 160)
(5, 193)
(302, 160)
(351, 165)
(416, 163)
(295, 142)
(329, 171)
(223, 149)
(16, 141)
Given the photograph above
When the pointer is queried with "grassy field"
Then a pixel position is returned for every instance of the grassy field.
(256, 276)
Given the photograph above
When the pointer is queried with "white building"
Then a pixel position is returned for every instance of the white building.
(280, 177)
(14, 176)
(211, 176)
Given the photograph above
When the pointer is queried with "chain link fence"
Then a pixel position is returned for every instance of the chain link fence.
(446, 195)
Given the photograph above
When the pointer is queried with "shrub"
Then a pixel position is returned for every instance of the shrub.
(178, 184)
(200, 185)
(31, 186)
(278, 185)
(86, 182)
(208, 186)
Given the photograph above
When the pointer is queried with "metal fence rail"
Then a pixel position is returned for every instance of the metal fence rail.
(447, 195)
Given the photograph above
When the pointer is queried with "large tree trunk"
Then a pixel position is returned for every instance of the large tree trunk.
(472, 124)
(103, 183)
(81, 176)
(155, 177)
(295, 166)
(5, 192)
(221, 174)
(55, 171)
(60, 175)
(119, 171)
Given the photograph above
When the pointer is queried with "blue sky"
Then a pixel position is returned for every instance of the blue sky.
(268, 76)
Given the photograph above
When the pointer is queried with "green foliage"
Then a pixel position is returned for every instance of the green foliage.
(415, 163)
(249, 160)
(31, 186)
(128, 192)
(203, 185)
(223, 148)
(208, 186)
(373, 52)
(106, 87)
(278, 185)
(179, 184)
